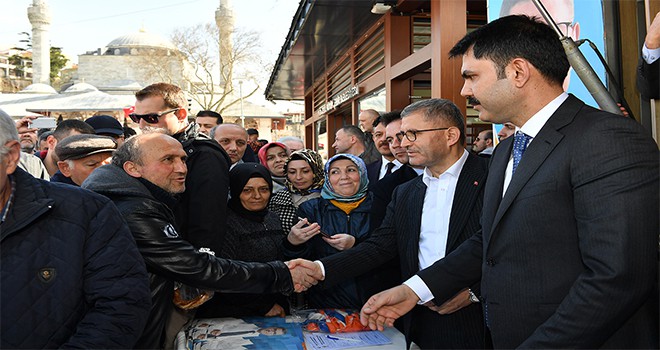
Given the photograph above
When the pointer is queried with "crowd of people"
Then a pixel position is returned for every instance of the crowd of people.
(547, 239)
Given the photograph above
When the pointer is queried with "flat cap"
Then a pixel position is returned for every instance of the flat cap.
(81, 146)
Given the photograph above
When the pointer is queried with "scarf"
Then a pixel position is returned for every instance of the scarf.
(238, 178)
(329, 193)
(315, 162)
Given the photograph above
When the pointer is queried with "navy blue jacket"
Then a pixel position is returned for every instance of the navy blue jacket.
(72, 276)
(332, 220)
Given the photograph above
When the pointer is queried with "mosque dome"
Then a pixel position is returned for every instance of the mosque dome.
(38, 88)
(141, 39)
(80, 87)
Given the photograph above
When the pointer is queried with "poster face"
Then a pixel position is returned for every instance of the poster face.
(579, 19)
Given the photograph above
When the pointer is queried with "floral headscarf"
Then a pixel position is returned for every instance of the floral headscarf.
(315, 162)
(329, 193)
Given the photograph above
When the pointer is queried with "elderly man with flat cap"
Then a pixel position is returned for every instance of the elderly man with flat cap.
(79, 155)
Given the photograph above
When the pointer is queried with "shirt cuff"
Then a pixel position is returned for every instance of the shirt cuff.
(321, 266)
(419, 287)
(649, 55)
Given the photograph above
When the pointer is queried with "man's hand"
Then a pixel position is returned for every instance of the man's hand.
(652, 40)
(459, 301)
(387, 306)
(314, 268)
(276, 311)
(23, 124)
(340, 241)
(302, 275)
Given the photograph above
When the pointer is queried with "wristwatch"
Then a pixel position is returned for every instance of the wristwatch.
(473, 297)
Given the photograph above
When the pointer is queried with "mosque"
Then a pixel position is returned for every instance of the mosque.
(107, 78)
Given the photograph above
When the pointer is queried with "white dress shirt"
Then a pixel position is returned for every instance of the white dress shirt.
(649, 55)
(436, 213)
(531, 129)
(383, 166)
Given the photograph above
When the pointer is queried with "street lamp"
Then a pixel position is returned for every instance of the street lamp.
(240, 92)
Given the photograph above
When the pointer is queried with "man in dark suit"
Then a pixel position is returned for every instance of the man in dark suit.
(387, 163)
(428, 216)
(648, 70)
(567, 255)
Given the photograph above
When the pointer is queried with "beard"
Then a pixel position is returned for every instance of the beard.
(154, 129)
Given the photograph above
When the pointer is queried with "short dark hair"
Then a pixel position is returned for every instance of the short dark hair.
(65, 127)
(389, 117)
(377, 121)
(439, 109)
(355, 131)
(253, 131)
(213, 114)
(173, 96)
(488, 135)
(516, 36)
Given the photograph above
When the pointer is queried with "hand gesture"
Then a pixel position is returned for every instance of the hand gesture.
(275, 311)
(385, 307)
(24, 124)
(340, 241)
(301, 276)
(300, 234)
(652, 40)
(459, 301)
(313, 268)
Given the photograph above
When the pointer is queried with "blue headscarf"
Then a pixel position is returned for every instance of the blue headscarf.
(329, 193)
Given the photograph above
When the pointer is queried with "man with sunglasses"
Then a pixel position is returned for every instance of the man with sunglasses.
(202, 209)
(428, 217)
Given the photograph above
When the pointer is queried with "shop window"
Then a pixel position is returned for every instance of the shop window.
(421, 90)
(421, 32)
(375, 100)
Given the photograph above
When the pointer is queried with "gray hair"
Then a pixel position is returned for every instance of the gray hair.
(290, 138)
(436, 109)
(129, 151)
(8, 132)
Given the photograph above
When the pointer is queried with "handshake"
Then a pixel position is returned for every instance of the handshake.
(304, 274)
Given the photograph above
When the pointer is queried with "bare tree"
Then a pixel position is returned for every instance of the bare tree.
(207, 66)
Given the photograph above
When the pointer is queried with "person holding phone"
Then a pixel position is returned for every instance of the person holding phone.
(304, 180)
(343, 214)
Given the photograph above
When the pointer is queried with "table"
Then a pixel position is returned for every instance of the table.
(267, 333)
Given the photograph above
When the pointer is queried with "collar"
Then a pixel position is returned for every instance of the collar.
(10, 200)
(395, 161)
(454, 170)
(538, 120)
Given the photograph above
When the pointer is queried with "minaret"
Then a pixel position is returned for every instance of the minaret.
(224, 19)
(39, 15)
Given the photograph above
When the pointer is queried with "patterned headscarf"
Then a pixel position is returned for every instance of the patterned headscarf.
(329, 193)
(315, 162)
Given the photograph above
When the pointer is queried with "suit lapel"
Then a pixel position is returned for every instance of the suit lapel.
(414, 225)
(470, 181)
(538, 150)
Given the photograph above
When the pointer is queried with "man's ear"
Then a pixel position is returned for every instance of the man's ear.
(13, 156)
(453, 136)
(520, 69)
(52, 142)
(132, 169)
(489, 142)
(181, 114)
(64, 168)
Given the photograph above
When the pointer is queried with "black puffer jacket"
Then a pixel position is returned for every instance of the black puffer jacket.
(201, 212)
(170, 258)
(72, 276)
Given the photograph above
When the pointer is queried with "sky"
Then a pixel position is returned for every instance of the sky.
(85, 25)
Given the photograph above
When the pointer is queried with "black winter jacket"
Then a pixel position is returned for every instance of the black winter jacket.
(72, 276)
(169, 258)
(202, 209)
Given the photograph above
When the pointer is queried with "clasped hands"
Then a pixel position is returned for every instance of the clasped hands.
(304, 274)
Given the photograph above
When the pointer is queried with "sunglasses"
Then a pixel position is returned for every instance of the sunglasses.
(151, 118)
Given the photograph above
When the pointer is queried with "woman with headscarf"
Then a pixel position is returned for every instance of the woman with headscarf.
(273, 155)
(253, 234)
(336, 221)
(304, 180)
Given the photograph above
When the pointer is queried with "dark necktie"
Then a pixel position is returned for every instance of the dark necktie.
(520, 141)
(388, 168)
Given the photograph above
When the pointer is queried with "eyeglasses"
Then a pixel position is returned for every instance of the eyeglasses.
(411, 135)
(566, 28)
(151, 118)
